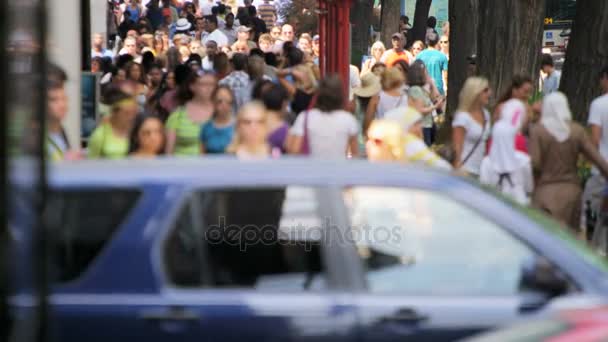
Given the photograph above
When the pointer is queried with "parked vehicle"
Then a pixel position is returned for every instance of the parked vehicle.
(584, 325)
(298, 250)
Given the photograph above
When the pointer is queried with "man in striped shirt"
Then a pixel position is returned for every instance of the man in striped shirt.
(268, 13)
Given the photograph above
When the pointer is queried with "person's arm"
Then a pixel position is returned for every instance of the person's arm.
(596, 135)
(366, 66)
(281, 76)
(170, 145)
(528, 179)
(593, 155)
(295, 138)
(458, 134)
(96, 143)
(535, 151)
(370, 113)
(353, 146)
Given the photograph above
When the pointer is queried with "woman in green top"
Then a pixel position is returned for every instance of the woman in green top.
(110, 140)
(184, 125)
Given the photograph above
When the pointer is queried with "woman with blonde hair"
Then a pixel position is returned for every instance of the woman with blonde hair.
(390, 97)
(417, 48)
(251, 136)
(471, 125)
(377, 50)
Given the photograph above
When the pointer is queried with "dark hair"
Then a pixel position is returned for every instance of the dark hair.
(294, 56)
(239, 61)
(432, 39)
(195, 58)
(403, 64)
(182, 72)
(184, 94)
(604, 72)
(220, 88)
(546, 60)
(134, 135)
(274, 97)
(221, 9)
(211, 19)
(106, 65)
(173, 57)
(330, 95)
(257, 52)
(417, 74)
(259, 88)
(56, 76)
(229, 14)
(252, 11)
(271, 59)
(516, 82)
(123, 60)
(381, 65)
(142, 75)
(113, 94)
(221, 64)
(431, 22)
(215, 10)
(153, 66)
(147, 59)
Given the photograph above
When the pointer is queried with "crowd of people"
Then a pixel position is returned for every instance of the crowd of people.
(200, 80)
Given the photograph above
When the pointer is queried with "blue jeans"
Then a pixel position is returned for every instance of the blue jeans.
(429, 135)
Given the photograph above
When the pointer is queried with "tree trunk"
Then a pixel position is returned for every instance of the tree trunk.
(421, 16)
(361, 17)
(391, 10)
(587, 54)
(509, 40)
(464, 14)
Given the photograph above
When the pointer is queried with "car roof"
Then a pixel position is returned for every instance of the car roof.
(224, 171)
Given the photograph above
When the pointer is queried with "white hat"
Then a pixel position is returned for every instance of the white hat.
(182, 25)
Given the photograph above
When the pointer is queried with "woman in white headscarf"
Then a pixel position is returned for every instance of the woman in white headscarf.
(506, 168)
(555, 145)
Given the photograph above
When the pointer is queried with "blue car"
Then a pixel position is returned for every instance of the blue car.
(292, 250)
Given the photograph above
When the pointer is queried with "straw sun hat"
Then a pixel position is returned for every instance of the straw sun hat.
(370, 85)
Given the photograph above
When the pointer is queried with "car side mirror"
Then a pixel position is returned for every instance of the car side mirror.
(540, 283)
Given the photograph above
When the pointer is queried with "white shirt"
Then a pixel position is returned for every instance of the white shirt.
(328, 133)
(473, 132)
(206, 6)
(232, 34)
(521, 180)
(207, 64)
(598, 115)
(217, 36)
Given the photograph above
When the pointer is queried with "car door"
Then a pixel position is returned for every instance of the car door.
(435, 269)
(258, 267)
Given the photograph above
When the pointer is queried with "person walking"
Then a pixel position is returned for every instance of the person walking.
(110, 140)
(390, 97)
(213, 32)
(183, 126)
(238, 80)
(276, 100)
(436, 62)
(377, 50)
(397, 52)
(594, 189)
(251, 137)
(471, 125)
(217, 133)
(326, 131)
(555, 146)
(147, 137)
(429, 97)
(551, 81)
(505, 168)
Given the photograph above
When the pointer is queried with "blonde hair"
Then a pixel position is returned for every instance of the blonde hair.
(266, 37)
(421, 43)
(392, 78)
(378, 45)
(391, 134)
(471, 90)
(254, 106)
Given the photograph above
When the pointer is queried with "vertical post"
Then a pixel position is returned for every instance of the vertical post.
(85, 29)
(322, 37)
(4, 276)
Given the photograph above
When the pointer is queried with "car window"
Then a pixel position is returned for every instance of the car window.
(264, 239)
(81, 223)
(419, 242)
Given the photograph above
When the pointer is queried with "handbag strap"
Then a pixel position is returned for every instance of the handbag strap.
(478, 142)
